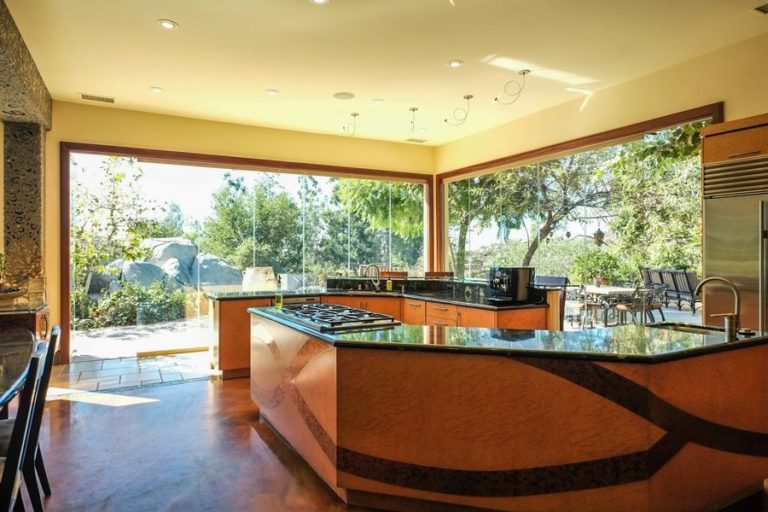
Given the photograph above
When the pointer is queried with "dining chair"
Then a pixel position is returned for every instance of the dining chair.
(33, 467)
(10, 481)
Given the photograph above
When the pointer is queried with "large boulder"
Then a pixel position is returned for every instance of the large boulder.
(177, 271)
(214, 271)
(102, 281)
(142, 273)
(165, 249)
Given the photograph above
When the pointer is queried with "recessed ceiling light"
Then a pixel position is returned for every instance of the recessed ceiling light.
(343, 95)
(378, 101)
(455, 63)
(168, 24)
(272, 92)
(320, 2)
(156, 90)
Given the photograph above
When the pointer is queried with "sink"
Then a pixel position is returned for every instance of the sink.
(694, 329)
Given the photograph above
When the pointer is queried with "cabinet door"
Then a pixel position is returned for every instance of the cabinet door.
(384, 305)
(528, 318)
(475, 317)
(343, 300)
(414, 312)
(735, 145)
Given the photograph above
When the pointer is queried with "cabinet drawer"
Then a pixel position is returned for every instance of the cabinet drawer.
(440, 310)
(735, 145)
(384, 305)
(414, 312)
(342, 300)
(441, 322)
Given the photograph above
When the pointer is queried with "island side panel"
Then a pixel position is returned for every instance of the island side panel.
(231, 336)
(716, 404)
(485, 431)
(293, 381)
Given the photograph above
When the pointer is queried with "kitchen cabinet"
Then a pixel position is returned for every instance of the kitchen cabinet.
(230, 346)
(414, 312)
(385, 305)
(735, 140)
(475, 317)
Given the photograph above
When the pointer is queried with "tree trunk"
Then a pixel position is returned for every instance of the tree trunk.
(461, 249)
(544, 232)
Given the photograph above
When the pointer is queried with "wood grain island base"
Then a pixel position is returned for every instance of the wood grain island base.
(419, 417)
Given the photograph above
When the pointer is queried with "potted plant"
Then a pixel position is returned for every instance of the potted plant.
(596, 265)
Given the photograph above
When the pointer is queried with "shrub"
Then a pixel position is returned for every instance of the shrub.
(593, 263)
(134, 304)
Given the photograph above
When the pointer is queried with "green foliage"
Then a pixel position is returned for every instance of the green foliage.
(595, 263)
(258, 226)
(110, 223)
(133, 304)
(646, 192)
(170, 226)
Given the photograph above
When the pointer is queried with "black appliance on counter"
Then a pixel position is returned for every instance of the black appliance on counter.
(511, 284)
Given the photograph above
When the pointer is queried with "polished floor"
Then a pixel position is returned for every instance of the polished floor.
(191, 446)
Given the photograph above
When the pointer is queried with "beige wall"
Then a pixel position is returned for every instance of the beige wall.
(737, 75)
(110, 126)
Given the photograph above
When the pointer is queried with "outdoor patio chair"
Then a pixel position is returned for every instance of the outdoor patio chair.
(640, 303)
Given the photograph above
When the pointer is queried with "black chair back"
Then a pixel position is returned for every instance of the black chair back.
(38, 406)
(11, 478)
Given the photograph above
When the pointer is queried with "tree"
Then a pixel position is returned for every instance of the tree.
(107, 223)
(656, 202)
(171, 225)
(254, 226)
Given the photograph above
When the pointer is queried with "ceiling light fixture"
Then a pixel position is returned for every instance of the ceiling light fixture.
(378, 101)
(168, 24)
(512, 89)
(413, 118)
(272, 92)
(156, 90)
(343, 95)
(455, 63)
(460, 114)
(351, 127)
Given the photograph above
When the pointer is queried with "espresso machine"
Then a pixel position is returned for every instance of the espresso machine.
(511, 284)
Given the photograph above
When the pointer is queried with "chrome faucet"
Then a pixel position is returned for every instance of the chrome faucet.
(731, 319)
(375, 280)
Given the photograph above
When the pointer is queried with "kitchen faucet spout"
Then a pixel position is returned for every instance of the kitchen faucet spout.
(374, 279)
(731, 319)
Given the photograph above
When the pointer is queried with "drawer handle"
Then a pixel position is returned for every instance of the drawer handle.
(439, 309)
(414, 305)
(439, 323)
(746, 153)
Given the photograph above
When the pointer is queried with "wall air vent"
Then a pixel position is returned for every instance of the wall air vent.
(736, 178)
(93, 97)
(417, 141)
(762, 8)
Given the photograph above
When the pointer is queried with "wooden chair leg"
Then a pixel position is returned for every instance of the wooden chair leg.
(30, 481)
(41, 473)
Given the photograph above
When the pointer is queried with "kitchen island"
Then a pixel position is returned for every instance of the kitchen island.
(420, 417)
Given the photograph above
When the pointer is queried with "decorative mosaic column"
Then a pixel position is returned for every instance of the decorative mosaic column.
(23, 181)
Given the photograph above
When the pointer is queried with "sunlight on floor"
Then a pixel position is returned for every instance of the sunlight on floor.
(108, 399)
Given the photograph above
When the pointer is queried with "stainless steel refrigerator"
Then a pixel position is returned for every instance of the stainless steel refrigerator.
(735, 227)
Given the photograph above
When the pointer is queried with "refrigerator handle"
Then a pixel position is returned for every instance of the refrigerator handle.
(763, 278)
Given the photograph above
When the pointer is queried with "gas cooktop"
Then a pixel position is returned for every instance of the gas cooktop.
(333, 318)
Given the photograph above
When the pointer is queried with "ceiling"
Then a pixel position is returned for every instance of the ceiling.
(225, 54)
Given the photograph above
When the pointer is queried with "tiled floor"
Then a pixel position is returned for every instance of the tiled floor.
(129, 372)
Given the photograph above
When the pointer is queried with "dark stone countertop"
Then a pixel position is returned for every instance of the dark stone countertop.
(443, 297)
(626, 343)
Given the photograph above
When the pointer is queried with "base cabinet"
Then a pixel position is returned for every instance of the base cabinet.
(385, 305)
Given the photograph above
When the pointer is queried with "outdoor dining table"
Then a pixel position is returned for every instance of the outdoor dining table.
(603, 293)
(16, 349)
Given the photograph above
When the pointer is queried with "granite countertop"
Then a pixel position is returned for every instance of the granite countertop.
(443, 297)
(630, 343)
